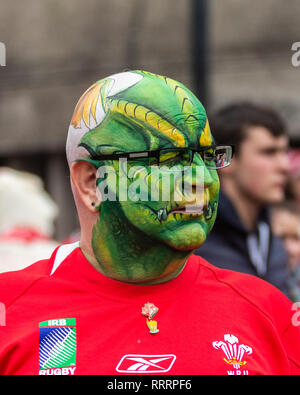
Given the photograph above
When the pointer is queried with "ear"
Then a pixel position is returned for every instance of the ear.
(84, 176)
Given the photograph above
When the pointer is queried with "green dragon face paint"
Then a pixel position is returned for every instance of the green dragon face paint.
(148, 223)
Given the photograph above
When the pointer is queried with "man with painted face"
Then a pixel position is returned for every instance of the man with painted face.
(143, 167)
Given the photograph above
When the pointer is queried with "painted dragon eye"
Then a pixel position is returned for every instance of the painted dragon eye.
(173, 157)
(167, 156)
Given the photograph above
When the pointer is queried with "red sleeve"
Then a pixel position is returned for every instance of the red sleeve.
(14, 284)
(291, 339)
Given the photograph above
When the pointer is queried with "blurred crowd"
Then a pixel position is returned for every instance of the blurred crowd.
(285, 217)
(257, 230)
(27, 220)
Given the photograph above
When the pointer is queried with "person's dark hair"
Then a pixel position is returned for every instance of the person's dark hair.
(229, 125)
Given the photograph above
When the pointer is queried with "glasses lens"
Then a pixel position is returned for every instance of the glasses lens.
(217, 158)
(173, 157)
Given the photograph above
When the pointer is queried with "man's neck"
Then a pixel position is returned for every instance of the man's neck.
(247, 208)
(131, 258)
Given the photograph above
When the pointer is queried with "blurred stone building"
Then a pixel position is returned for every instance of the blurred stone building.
(56, 49)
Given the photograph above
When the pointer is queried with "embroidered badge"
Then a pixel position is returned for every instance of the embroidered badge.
(57, 347)
(234, 352)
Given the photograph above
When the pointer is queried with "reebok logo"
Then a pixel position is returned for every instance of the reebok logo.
(134, 363)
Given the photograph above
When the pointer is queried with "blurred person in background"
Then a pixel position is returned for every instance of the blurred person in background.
(27, 215)
(293, 184)
(241, 239)
(285, 221)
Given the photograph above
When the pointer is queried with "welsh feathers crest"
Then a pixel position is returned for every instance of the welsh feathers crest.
(233, 351)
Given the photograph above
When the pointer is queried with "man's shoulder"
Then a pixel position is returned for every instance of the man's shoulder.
(241, 282)
(14, 283)
(253, 290)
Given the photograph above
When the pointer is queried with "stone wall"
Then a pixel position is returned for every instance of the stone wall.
(56, 49)
(251, 55)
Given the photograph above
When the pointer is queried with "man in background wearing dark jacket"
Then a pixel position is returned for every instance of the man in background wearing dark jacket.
(241, 239)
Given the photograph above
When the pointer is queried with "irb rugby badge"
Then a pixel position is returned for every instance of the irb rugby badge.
(57, 346)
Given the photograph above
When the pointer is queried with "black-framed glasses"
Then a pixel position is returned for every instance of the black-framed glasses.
(214, 157)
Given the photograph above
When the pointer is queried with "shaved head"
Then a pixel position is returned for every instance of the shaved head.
(157, 107)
